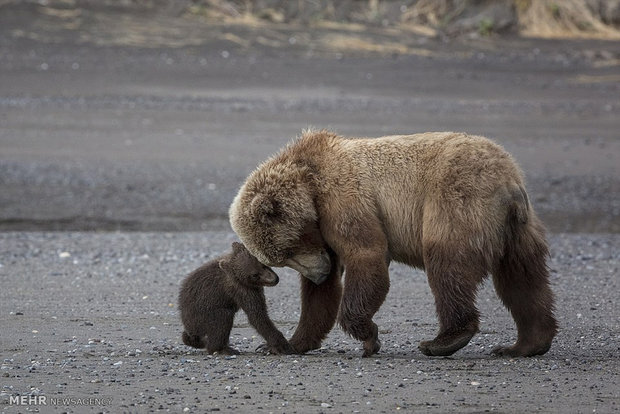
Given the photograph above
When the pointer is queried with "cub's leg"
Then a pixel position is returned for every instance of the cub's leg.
(254, 305)
(196, 326)
(219, 324)
(319, 309)
(454, 278)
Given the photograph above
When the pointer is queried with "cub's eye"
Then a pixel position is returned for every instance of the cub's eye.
(255, 276)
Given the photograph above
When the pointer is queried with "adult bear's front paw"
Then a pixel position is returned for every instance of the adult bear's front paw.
(224, 351)
(302, 346)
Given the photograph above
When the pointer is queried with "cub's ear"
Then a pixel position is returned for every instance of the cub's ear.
(226, 265)
(238, 247)
(263, 209)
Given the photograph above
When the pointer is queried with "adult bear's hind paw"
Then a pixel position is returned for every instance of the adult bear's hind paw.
(445, 345)
(520, 351)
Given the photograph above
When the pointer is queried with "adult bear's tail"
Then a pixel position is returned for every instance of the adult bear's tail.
(520, 206)
(521, 279)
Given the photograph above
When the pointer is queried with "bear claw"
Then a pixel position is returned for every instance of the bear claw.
(371, 348)
(282, 349)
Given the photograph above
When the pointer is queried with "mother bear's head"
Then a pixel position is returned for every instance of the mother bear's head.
(275, 216)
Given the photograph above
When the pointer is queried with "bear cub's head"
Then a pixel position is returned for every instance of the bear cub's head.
(244, 268)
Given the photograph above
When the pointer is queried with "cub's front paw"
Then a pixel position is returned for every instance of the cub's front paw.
(371, 347)
(283, 348)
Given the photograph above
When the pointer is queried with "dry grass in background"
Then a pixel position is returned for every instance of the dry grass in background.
(564, 19)
(532, 18)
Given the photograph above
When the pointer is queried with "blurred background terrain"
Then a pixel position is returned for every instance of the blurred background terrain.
(148, 115)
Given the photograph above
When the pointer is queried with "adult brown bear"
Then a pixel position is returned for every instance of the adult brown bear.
(452, 204)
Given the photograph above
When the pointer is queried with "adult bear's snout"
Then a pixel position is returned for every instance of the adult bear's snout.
(313, 266)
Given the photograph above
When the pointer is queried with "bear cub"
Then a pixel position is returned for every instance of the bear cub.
(212, 294)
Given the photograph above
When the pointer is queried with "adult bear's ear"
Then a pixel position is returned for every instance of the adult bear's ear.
(263, 209)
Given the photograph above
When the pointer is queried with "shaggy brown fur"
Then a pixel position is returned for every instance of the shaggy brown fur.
(212, 294)
(452, 204)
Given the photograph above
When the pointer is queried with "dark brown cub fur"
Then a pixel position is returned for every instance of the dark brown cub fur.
(212, 294)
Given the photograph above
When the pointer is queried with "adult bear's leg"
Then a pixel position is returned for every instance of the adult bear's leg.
(522, 282)
(319, 309)
(366, 285)
(454, 277)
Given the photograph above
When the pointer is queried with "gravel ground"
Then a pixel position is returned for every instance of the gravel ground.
(94, 315)
(113, 120)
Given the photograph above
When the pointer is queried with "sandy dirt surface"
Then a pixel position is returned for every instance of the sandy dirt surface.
(88, 315)
(147, 121)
